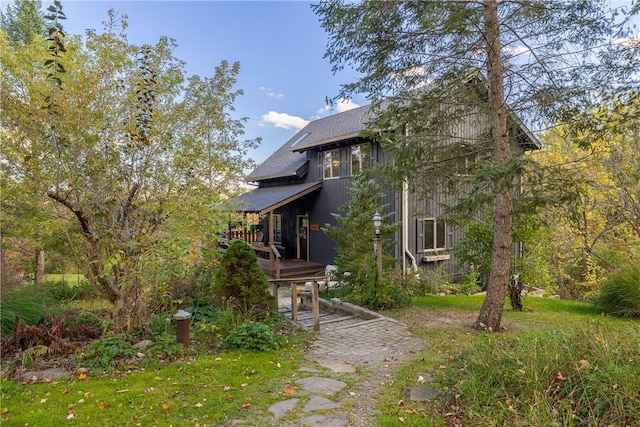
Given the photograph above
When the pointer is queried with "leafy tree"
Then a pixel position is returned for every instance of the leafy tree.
(137, 158)
(533, 56)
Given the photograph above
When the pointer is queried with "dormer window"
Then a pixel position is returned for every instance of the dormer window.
(360, 158)
(331, 164)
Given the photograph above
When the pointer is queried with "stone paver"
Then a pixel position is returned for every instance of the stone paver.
(337, 351)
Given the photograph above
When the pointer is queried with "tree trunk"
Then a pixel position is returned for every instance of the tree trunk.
(39, 277)
(493, 306)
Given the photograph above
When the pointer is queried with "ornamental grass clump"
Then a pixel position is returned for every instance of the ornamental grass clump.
(620, 295)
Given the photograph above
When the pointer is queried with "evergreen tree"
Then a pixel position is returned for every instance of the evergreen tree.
(23, 22)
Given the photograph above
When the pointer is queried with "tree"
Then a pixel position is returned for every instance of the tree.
(137, 158)
(23, 22)
(354, 231)
(535, 58)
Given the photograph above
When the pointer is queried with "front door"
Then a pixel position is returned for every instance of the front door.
(303, 233)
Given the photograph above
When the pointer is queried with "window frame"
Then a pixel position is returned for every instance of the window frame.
(437, 232)
(363, 163)
(331, 165)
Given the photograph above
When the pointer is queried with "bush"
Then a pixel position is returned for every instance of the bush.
(240, 279)
(107, 352)
(468, 283)
(390, 292)
(251, 336)
(620, 295)
(62, 291)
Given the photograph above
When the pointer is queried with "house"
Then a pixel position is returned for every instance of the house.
(307, 179)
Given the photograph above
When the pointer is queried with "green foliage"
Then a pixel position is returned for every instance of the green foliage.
(393, 290)
(240, 280)
(620, 295)
(165, 346)
(468, 284)
(251, 336)
(29, 304)
(61, 291)
(107, 352)
(427, 281)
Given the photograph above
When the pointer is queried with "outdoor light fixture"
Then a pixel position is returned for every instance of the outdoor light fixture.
(377, 222)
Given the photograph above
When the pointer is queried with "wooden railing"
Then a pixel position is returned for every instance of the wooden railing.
(247, 236)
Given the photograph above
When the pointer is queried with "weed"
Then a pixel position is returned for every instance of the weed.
(107, 352)
(251, 336)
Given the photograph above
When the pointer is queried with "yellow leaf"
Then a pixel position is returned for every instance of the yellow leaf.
(82, 376)
(102, 405)
(165, 406)
(560, 376)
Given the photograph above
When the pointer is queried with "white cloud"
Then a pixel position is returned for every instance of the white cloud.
(340, 106)
(282, 120)
(516, 50)
(271, 93)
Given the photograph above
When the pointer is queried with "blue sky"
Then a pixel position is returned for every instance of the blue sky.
(279, 44)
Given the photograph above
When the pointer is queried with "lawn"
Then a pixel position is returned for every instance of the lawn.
(558, 363)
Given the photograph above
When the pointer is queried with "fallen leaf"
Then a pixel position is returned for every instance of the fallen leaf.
(122, 391)
(615, 386)
(43, 400)
(66, 391)
(401, 419)
(288, 390)
(584, 364)
(519, 363)
(165, 406)
(522, 371)
(278, 365)
(71, 416)
(198, 405)
(149, 390)
(226, 388)
(82, 376)
(5, 410)
(401, 403)
(243, 385)
(185, 404)
(246, 405)
(102, 405)
(560, 376)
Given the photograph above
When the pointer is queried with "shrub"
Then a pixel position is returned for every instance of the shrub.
(620, 295)
(468, 283)
(251, 336)
(241, 280)
(389, 292)
(106, 352)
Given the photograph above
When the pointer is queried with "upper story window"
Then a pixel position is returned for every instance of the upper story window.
(360, 158)
(331, 164)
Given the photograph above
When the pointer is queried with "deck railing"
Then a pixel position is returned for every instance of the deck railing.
(247, 236)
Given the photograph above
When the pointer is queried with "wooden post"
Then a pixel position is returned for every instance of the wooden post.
(294, 302)
(315, 304)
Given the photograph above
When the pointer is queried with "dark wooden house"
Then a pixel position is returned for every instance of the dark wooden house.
(302, 183)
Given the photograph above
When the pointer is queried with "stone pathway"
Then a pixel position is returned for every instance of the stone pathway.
(331, 391)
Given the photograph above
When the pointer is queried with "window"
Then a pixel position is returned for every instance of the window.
(434, 236)
(277, 228)
(331, 164)
(360, 158)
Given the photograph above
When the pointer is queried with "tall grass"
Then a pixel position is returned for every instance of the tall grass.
(561, 363)
(28, 304)
(620, 295)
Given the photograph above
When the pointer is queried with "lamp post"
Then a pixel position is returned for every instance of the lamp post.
(377, 246)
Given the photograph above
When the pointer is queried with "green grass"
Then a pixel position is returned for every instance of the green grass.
(71, 279)
(560, 363)
(204, 390)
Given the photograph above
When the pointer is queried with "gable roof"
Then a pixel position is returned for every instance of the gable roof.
(337, 127)
(282, 163)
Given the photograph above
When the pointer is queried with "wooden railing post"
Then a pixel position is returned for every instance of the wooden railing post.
(315, 305)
